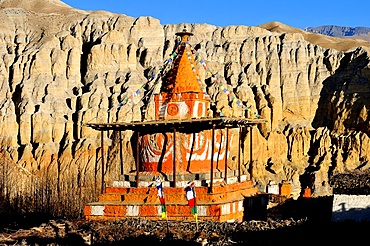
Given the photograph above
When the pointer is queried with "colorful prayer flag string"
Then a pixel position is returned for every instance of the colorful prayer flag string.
(222, 88)
(168, 65)
(161, 199)
(191, 197)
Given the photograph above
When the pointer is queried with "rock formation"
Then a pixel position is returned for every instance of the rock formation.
(62, 67)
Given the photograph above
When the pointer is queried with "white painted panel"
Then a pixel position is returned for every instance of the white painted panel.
(351, 207)
(97, 210)
(202, 210)
(132, 211)
(240, 206)
(225, 209)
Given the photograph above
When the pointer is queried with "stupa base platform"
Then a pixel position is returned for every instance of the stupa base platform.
(226, 202)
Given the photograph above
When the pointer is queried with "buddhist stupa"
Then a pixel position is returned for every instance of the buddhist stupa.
(185, 145)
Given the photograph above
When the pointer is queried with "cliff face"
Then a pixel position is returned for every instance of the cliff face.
(61, 68)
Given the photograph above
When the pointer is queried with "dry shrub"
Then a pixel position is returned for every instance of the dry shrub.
(53, 190)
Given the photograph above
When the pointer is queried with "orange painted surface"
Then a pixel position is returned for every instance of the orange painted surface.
(178, 210)
(226, 195)
(214, 211)
(87, 210)
(115, 211)
(177, 195)
(138, 198)
(110, 197)
(192, 152)
(173, 195)
(183, 77)
(285, 189)
(189, 105)
(181, 97)
(116, 189)
(178, 198)
(140, 190)
(174, 212)
(148, 211)
(233, 187)
(307, 193)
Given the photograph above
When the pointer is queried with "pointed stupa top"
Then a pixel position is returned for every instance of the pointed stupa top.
(184, 35)
(184, 76)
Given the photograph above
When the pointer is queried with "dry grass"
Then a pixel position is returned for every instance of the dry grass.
(51, 191)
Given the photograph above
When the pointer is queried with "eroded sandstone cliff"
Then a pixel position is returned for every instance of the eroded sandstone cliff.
(61, 68)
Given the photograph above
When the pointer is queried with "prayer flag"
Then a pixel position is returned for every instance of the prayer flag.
(161, 199)
(190, 196)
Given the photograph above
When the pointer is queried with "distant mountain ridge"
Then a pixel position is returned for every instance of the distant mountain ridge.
(339, 31)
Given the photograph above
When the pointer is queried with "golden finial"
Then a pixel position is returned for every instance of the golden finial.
(184, 35)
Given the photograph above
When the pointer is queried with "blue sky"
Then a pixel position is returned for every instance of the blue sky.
(300, 14)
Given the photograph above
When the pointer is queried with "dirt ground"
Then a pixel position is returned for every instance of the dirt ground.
(304, 221)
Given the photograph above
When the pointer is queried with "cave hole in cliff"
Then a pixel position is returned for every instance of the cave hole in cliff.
(117, 81)
(34, 148)
(166, 46)
(63, 142)
(148, 73)
(86, 50)
(227, 74)
(86, 47)
(142, 55)
(208, 81)
(21, 149)
(86, 88)
(197, 47)
(11, 75)
(127, 78)
(16, 98)
(75, 91)
(246, 68)
(75, 120)
(37, 108)
(69, 104)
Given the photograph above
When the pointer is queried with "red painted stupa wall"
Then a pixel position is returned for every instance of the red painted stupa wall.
(193, 151)
(181, 97)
